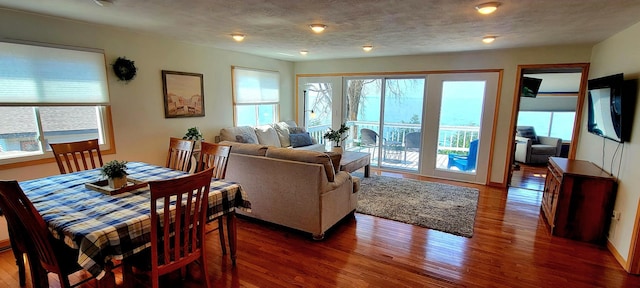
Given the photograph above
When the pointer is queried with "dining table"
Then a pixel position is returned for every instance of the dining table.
(103, 227)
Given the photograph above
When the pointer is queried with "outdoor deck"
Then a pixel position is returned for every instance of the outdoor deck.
(396, 160)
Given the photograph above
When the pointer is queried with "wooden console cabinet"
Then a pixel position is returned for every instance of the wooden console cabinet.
(578, 200)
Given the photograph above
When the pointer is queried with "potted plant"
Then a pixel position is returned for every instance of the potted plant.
(193, 133)
(336, 136)
(116, 173)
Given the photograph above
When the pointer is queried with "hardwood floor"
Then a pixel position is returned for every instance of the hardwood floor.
(529, 177)
(511, 247)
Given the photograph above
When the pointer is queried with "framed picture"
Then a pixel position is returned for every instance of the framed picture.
(183, 94)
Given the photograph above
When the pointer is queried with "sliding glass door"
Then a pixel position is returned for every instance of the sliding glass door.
(386, 116)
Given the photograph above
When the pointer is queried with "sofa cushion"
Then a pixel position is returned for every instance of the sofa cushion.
(527, 132)
(267, 135)
(300, 140)
(246, 133)
(247, 149)
(335, 160)
(541, 149)
(304, 156)
(282, 128)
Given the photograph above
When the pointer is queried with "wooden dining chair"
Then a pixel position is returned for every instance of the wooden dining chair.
(179, 156)
(70, 155)
(28, 226)
(215, 156)
(177, 240)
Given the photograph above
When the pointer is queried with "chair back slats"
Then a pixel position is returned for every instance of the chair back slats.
(214, 156)
(71, 155)
(177, 230)
(179, 156)
(24, 219)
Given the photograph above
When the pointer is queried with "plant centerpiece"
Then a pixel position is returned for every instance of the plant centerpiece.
(116, 172)
(336, 136)
(193, 133)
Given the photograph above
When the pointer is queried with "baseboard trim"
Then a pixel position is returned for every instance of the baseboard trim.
(618, 257)
(497, 184)
(5, 244)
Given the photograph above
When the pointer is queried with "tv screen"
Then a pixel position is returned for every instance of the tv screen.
(530, 87)
(610, 108)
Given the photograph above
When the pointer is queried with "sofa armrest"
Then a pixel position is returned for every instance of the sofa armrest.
(552, 141)
(340, 179)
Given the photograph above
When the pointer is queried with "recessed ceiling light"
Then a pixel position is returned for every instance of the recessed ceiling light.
(489, 39)
(104, 3)
(238, 37)
(487, 8)
(304, 52)
(367, 48)
(318, 28)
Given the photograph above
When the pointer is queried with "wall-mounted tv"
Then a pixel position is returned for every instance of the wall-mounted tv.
(611, 107)
(530, 86)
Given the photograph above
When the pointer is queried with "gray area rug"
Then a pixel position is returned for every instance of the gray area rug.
(444, 207)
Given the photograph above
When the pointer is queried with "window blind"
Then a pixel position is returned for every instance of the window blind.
(256, 86)
(38, 76)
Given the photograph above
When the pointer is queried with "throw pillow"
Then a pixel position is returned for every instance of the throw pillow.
(282, 128)
(267, 135)
(245, 138)
(528, 132)
(296, 130)
(335, 160)
(300, 139)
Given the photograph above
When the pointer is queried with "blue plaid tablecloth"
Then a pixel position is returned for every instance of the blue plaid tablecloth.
(104, 227)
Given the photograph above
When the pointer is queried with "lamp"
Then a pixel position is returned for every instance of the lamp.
(318, 28)
(487, 8)
(367, 48)
(237, 36)
(489, 39)
(304, 52)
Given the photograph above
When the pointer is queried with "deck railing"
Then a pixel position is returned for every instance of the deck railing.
(450, 138)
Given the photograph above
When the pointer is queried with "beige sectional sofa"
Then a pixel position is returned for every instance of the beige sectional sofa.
(276, 135)
(299, 189)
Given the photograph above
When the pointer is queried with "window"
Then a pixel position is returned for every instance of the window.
(553, 124)
(50, 95)
(256, 95)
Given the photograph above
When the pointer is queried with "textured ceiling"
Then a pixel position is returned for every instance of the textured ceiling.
(279, 28)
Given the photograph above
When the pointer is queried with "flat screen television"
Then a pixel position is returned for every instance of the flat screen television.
(530, 87)
(611, 106)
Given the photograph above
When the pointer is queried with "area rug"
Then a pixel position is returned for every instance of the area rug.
(443, 207)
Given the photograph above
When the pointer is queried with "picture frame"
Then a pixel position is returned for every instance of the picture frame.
(183, 94)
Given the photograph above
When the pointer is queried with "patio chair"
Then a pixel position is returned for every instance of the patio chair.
(369, 139)
(72, 153)
(411, 143)
(465, 162)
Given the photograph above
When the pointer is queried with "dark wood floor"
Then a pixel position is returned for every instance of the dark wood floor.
(511, 247)
(530, 177)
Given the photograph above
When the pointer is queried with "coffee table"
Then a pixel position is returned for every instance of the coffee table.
(352, 161)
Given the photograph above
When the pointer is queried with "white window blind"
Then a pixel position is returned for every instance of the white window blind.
(38, 76)
(256, 86)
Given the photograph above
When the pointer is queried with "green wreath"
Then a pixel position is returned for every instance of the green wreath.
(124, 69)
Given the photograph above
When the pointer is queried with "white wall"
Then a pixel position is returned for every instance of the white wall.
(618, 54)
(508, 60)
(141, 131)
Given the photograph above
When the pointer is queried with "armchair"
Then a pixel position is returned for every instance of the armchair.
(533, 149)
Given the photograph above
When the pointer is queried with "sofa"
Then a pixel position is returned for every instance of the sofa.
(284, 134)
(534, 149)
(299, 189)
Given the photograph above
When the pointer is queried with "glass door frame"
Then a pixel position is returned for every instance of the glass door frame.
(432, 121)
